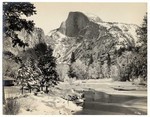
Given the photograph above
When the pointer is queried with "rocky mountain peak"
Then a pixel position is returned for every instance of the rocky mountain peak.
(76, 23)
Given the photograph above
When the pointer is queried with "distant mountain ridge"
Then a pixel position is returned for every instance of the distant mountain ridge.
(93, 37)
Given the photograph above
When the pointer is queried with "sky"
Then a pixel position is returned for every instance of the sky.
(50, 14)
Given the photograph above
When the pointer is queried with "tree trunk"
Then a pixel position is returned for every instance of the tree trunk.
(30, 90)
(100, 70)
(119, 69)
(22, 89)
(46, 89)
(3, 95)
(87, 74)
(127, 78)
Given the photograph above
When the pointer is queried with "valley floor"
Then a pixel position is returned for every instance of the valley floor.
(101, 97)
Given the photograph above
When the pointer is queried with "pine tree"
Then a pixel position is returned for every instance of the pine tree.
(142, 56)
(89, 63)
(71, 72)
(47, 65)
(109, 63)
(72, 59)
(13, 21)
(91, 60)
(28, 75)
(142, 31)
(24, 74)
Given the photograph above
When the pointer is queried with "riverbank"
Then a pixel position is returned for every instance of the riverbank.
(107, 97)
(101, 97)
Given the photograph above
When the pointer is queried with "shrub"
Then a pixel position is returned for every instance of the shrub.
(79, 70)
(115, 73)
(62, 70)
(11, 107)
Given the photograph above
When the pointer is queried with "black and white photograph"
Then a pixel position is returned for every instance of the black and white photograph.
(74, 58)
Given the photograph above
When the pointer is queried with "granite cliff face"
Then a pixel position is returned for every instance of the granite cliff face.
(13, 55)
(76, 24)
(36, 37)
(88, 36)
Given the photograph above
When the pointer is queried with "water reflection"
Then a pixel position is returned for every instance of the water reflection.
(100, 103)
